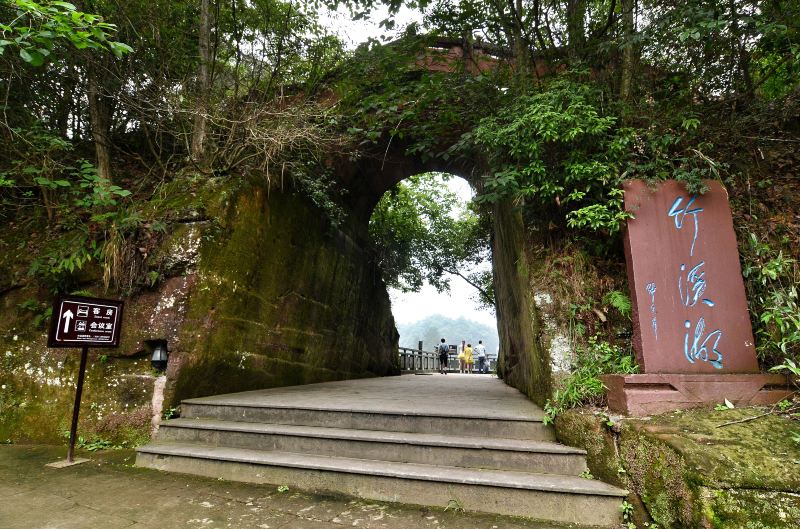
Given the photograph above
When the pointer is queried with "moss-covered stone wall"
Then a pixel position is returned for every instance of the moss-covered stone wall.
(685, 471)
(523, 362)
(281, 298)
(37, 388)
(255, 289)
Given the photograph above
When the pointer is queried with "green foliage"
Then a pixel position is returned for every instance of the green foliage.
(99, 192)
(772, 280)
(538, 145)
(35, 29)
(94, 444)
(583, 385)
(620, 301)
(41, 311)
(726, 405)
(421, 233)
(83, 205)
(724, 47)
(55, 265)
(789, 366)
(671, 151)
(556, 150)
(455, 505)
(795, 436)
(321, 187)
(626, 509)
(608, 215)
(386, 99)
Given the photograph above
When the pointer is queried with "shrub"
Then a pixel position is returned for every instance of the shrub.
(583, 386)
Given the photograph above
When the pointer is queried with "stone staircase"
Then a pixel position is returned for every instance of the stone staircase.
(334, 437)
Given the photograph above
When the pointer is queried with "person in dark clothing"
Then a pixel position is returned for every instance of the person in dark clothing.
(444, 350)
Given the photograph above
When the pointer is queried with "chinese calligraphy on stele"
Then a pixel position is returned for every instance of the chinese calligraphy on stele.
(692, 285)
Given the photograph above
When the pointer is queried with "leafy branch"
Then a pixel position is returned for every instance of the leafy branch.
(37, 27)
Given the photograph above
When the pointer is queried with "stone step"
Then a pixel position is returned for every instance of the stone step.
(433, 449)
(508, 427)
(546, 497)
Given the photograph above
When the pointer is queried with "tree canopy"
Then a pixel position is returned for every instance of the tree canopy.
(423, 232)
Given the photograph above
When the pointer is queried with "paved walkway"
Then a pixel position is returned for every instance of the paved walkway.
(459, 395)
(109, 493)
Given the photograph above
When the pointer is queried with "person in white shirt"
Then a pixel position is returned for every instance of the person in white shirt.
(480, 353)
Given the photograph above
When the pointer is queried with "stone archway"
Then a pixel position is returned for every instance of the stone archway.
(524, 363)
(280, 297)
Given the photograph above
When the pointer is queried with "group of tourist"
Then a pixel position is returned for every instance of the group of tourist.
(466, 358)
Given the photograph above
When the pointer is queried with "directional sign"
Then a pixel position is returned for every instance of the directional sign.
(85, 322)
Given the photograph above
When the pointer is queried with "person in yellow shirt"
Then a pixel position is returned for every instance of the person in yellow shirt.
(462, 360)
(468, 359)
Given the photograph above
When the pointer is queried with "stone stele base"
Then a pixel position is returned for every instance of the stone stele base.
(651, 394)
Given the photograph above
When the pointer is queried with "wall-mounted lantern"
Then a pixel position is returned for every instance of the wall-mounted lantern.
(160, 354)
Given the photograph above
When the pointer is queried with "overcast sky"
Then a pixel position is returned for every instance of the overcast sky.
(411, 307)
(354, 33)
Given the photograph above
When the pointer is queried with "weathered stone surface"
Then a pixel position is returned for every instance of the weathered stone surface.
(37, 387)
(583, 429)
(256, 290)
(523, 363)
(281, 298)
(109, 493)
(688, 472)
(367, 439)
(652, 394)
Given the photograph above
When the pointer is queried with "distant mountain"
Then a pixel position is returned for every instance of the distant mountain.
(433, 328)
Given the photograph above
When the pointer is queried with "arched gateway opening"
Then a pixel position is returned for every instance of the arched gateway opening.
(521, 362)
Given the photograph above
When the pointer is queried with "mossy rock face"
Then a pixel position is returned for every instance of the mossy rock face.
(757, 454)
(692, 472)
(684, 471)
(657, 474)
(256, 290)
(581, 428)
(587, 428)
(751, 509)
(37, 389)
(525, 362)
(281, 298)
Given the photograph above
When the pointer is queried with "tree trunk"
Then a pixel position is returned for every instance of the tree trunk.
(628, 30)
(100, 113)
(198, 147)
(576, 27)
(520, 48)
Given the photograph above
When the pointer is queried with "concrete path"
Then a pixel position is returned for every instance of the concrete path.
(109, 493)
(452, 395)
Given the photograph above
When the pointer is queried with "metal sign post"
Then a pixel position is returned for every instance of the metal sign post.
(76, 408)
(83, 322)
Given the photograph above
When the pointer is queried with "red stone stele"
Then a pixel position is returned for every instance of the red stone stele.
(691, 329)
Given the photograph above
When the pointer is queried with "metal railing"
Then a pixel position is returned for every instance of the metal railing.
(418, 360)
